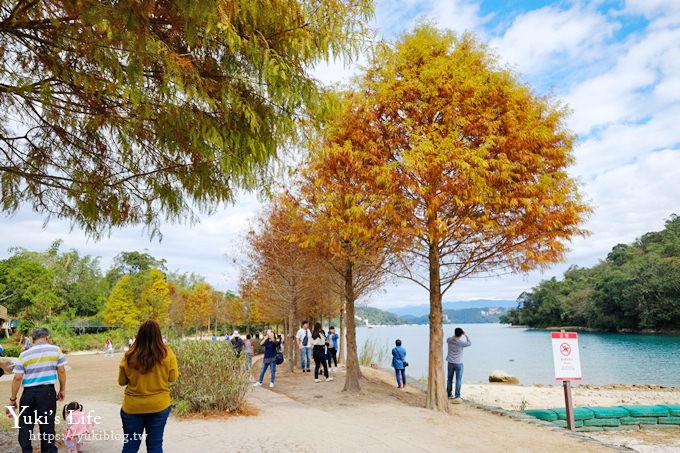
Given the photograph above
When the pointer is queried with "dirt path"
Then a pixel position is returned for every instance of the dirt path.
(302, 416)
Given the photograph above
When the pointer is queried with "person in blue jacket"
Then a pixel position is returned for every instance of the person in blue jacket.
(332, 350)
(399, 364)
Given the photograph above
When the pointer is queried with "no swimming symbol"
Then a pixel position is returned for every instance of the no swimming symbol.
(565, 349)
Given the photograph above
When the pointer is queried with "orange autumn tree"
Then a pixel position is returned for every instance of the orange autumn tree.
(481, 160)
(343, 196)
(283, 278)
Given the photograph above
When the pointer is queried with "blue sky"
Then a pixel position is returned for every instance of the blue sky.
(615, 63)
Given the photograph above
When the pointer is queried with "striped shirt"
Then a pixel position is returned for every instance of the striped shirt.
(39, 364)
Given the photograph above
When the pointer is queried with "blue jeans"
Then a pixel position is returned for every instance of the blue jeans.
(401, 376)
(135, 424)
(305, 352)
(457, 369)
(265, 364)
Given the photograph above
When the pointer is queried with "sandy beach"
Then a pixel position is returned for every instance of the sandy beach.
(299, 415)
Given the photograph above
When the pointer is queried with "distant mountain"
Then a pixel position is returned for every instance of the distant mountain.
(374, 316)
(424, 310)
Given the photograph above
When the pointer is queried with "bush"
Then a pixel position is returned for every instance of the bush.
(372, 352)
(211, 378)
(11, 350)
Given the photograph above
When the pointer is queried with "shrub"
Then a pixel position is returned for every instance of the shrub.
(211, 378)
(11, 350)
(372, 352)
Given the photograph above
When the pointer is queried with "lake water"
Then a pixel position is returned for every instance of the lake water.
(527, 354)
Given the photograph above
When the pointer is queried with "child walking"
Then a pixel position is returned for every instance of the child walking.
(248, 349)
(77, 426)
(399, 364)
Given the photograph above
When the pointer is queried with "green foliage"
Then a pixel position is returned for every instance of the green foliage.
(637, 287)
(155, 298)
(11, 350)
(139, 112)
(42, 284)
(121, 309)
(211, 377)
(372, 352)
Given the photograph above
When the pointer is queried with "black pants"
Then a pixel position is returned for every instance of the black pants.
(332, 355)
(41, 408)
(319, 360)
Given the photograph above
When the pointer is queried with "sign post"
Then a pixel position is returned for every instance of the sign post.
(567, 367)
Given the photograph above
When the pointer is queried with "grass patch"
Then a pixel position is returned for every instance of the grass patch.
(212, 379)
(373, 352)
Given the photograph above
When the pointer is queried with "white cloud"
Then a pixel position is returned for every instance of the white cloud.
(626, 92)
(551, 36)
(457, 15)
(622, 83)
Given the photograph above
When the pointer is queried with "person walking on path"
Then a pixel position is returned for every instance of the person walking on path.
(332, 348)
(146, 371)
(37, 370)
(456, 344)
(271, 347)
(248, 349)
(304, 341)
(399, 364)
(319, 342)
(109, 347)
(237, 343)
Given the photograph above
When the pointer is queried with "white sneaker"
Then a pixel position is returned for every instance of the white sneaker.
(334, 369)
(257, 384)
(271, 384)
(317, 380)
(328, 379)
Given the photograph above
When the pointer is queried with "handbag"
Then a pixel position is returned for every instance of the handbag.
(279, 358)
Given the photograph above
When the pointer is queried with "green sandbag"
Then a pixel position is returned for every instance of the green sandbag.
(563, 423)
(660, 426)
(674, 409)
(669, 420)
(580, 413)
(620, 428)
(638, 420)
(647, 411)
(609, 412)
(592, 429)
(542, 414)
(602, 422)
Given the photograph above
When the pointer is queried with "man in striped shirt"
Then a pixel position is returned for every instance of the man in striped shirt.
(38, 369)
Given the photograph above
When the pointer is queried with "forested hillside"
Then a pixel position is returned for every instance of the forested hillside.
(637, 287)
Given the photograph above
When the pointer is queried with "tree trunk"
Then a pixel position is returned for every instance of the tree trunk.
(290, 346)
(352, 365)
(436, 392)
(341, 343)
